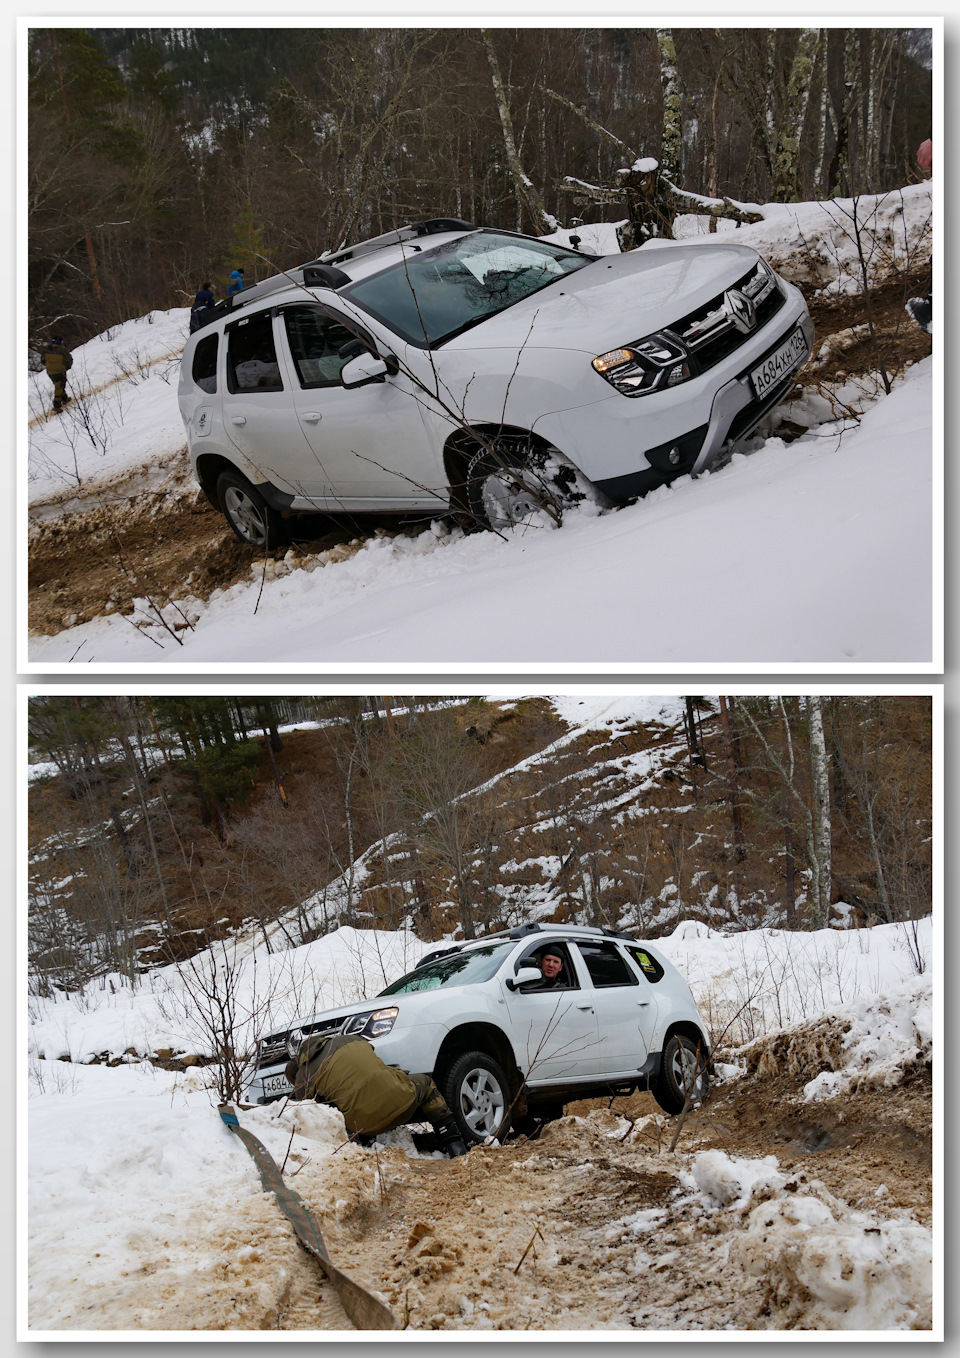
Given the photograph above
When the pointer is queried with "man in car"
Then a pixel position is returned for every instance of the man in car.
(345, 1071)
(550, 962)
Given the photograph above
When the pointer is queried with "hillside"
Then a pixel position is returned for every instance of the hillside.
(130, 565)
(591, 810)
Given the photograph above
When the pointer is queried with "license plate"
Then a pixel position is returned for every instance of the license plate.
(782, 361)
(276, 1084)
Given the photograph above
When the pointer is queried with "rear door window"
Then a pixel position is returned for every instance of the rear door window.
(204, 368)
(606, 965)
(252, 356)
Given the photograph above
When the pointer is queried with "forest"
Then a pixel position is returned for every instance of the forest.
(159, 824)
(160, 158)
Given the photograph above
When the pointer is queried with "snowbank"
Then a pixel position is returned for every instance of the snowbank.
(123, 414)
(863, 1272)
(820, 552)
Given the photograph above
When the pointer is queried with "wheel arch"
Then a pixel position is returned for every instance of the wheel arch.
(208, 467)
(686, 1028)
(477, 1036)
(462, 443)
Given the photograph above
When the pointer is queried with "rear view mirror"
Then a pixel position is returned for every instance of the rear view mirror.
(524, 975)
(366, 367)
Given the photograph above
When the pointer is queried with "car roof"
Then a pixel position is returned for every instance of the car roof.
(349, 264)
(545, 933)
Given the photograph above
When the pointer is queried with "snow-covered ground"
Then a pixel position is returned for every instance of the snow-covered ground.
(820, 552)
(135, 1188)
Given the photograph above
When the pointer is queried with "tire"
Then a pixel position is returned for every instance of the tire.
(513, 484)
(248, 514)
(677, 1066)
(478, 1093)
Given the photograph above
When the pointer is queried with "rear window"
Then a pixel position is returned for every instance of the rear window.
(465, 968)
(204, 370)
(647, 963)
(252, 356)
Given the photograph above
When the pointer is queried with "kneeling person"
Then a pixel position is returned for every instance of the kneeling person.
(344, 1070)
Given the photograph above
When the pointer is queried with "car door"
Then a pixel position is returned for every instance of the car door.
(555, 1031)
(624, 1004)
(258, 414)
(370, 443)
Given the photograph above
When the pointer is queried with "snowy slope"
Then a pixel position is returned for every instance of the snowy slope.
(819, 552)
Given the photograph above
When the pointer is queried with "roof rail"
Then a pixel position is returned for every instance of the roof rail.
(432, 226)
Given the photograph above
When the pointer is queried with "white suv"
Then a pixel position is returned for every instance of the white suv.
(495, 374)
(504, 1046)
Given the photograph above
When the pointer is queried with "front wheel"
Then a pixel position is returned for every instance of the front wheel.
(248, 514)
(683, 1070)
(477, 1092)
(513, 484)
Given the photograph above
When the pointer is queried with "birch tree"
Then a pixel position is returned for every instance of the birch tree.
(820, 820)
(786, 155)
(671, 159)
(526, 192)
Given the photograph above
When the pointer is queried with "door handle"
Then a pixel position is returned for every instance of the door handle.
(238, 419)
(311, 416)
(588, 1007)
(643, 1003)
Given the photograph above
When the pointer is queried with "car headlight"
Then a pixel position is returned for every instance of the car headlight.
(652, 364)
(372, 1025)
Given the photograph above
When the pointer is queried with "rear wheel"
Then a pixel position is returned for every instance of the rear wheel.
(248, 514)
(683, 1070)
(477, 1091)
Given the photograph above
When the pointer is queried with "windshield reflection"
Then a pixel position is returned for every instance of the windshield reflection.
(465, 968)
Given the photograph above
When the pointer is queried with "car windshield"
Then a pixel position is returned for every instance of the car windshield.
(465, 968)
(430, 297)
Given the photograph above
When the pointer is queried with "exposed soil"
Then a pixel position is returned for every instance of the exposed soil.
(536, 1234)
(123, 546)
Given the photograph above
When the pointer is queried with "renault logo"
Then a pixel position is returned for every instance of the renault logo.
(740, 309)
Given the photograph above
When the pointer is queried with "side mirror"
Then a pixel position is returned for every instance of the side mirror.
(366, 367)
(524, 975)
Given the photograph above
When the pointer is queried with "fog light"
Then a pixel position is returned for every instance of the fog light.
(674, 455)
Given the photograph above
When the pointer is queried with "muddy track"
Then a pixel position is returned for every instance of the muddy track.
(526, 1236)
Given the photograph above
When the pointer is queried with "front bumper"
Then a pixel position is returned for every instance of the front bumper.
(634, 446)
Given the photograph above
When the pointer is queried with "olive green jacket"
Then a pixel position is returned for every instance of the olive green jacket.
(348, 1073)
(56, 360)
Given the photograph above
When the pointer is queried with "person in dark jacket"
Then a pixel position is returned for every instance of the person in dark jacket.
(203, 304)
(236, 283)
(550, 962)
(345, 1071)
(58, 361)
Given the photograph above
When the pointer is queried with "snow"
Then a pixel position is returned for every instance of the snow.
(124, 416)
(140, 1205)
(820, 552)
(832, 563)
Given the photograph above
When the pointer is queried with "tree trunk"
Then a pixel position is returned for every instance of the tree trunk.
(786, 157)
(820, 823)
(526, 193)
(671, 159)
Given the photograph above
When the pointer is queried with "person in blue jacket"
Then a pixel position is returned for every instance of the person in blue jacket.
(236, 283)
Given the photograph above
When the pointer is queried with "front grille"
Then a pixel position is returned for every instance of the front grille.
(710, 334)
(274, 1047)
